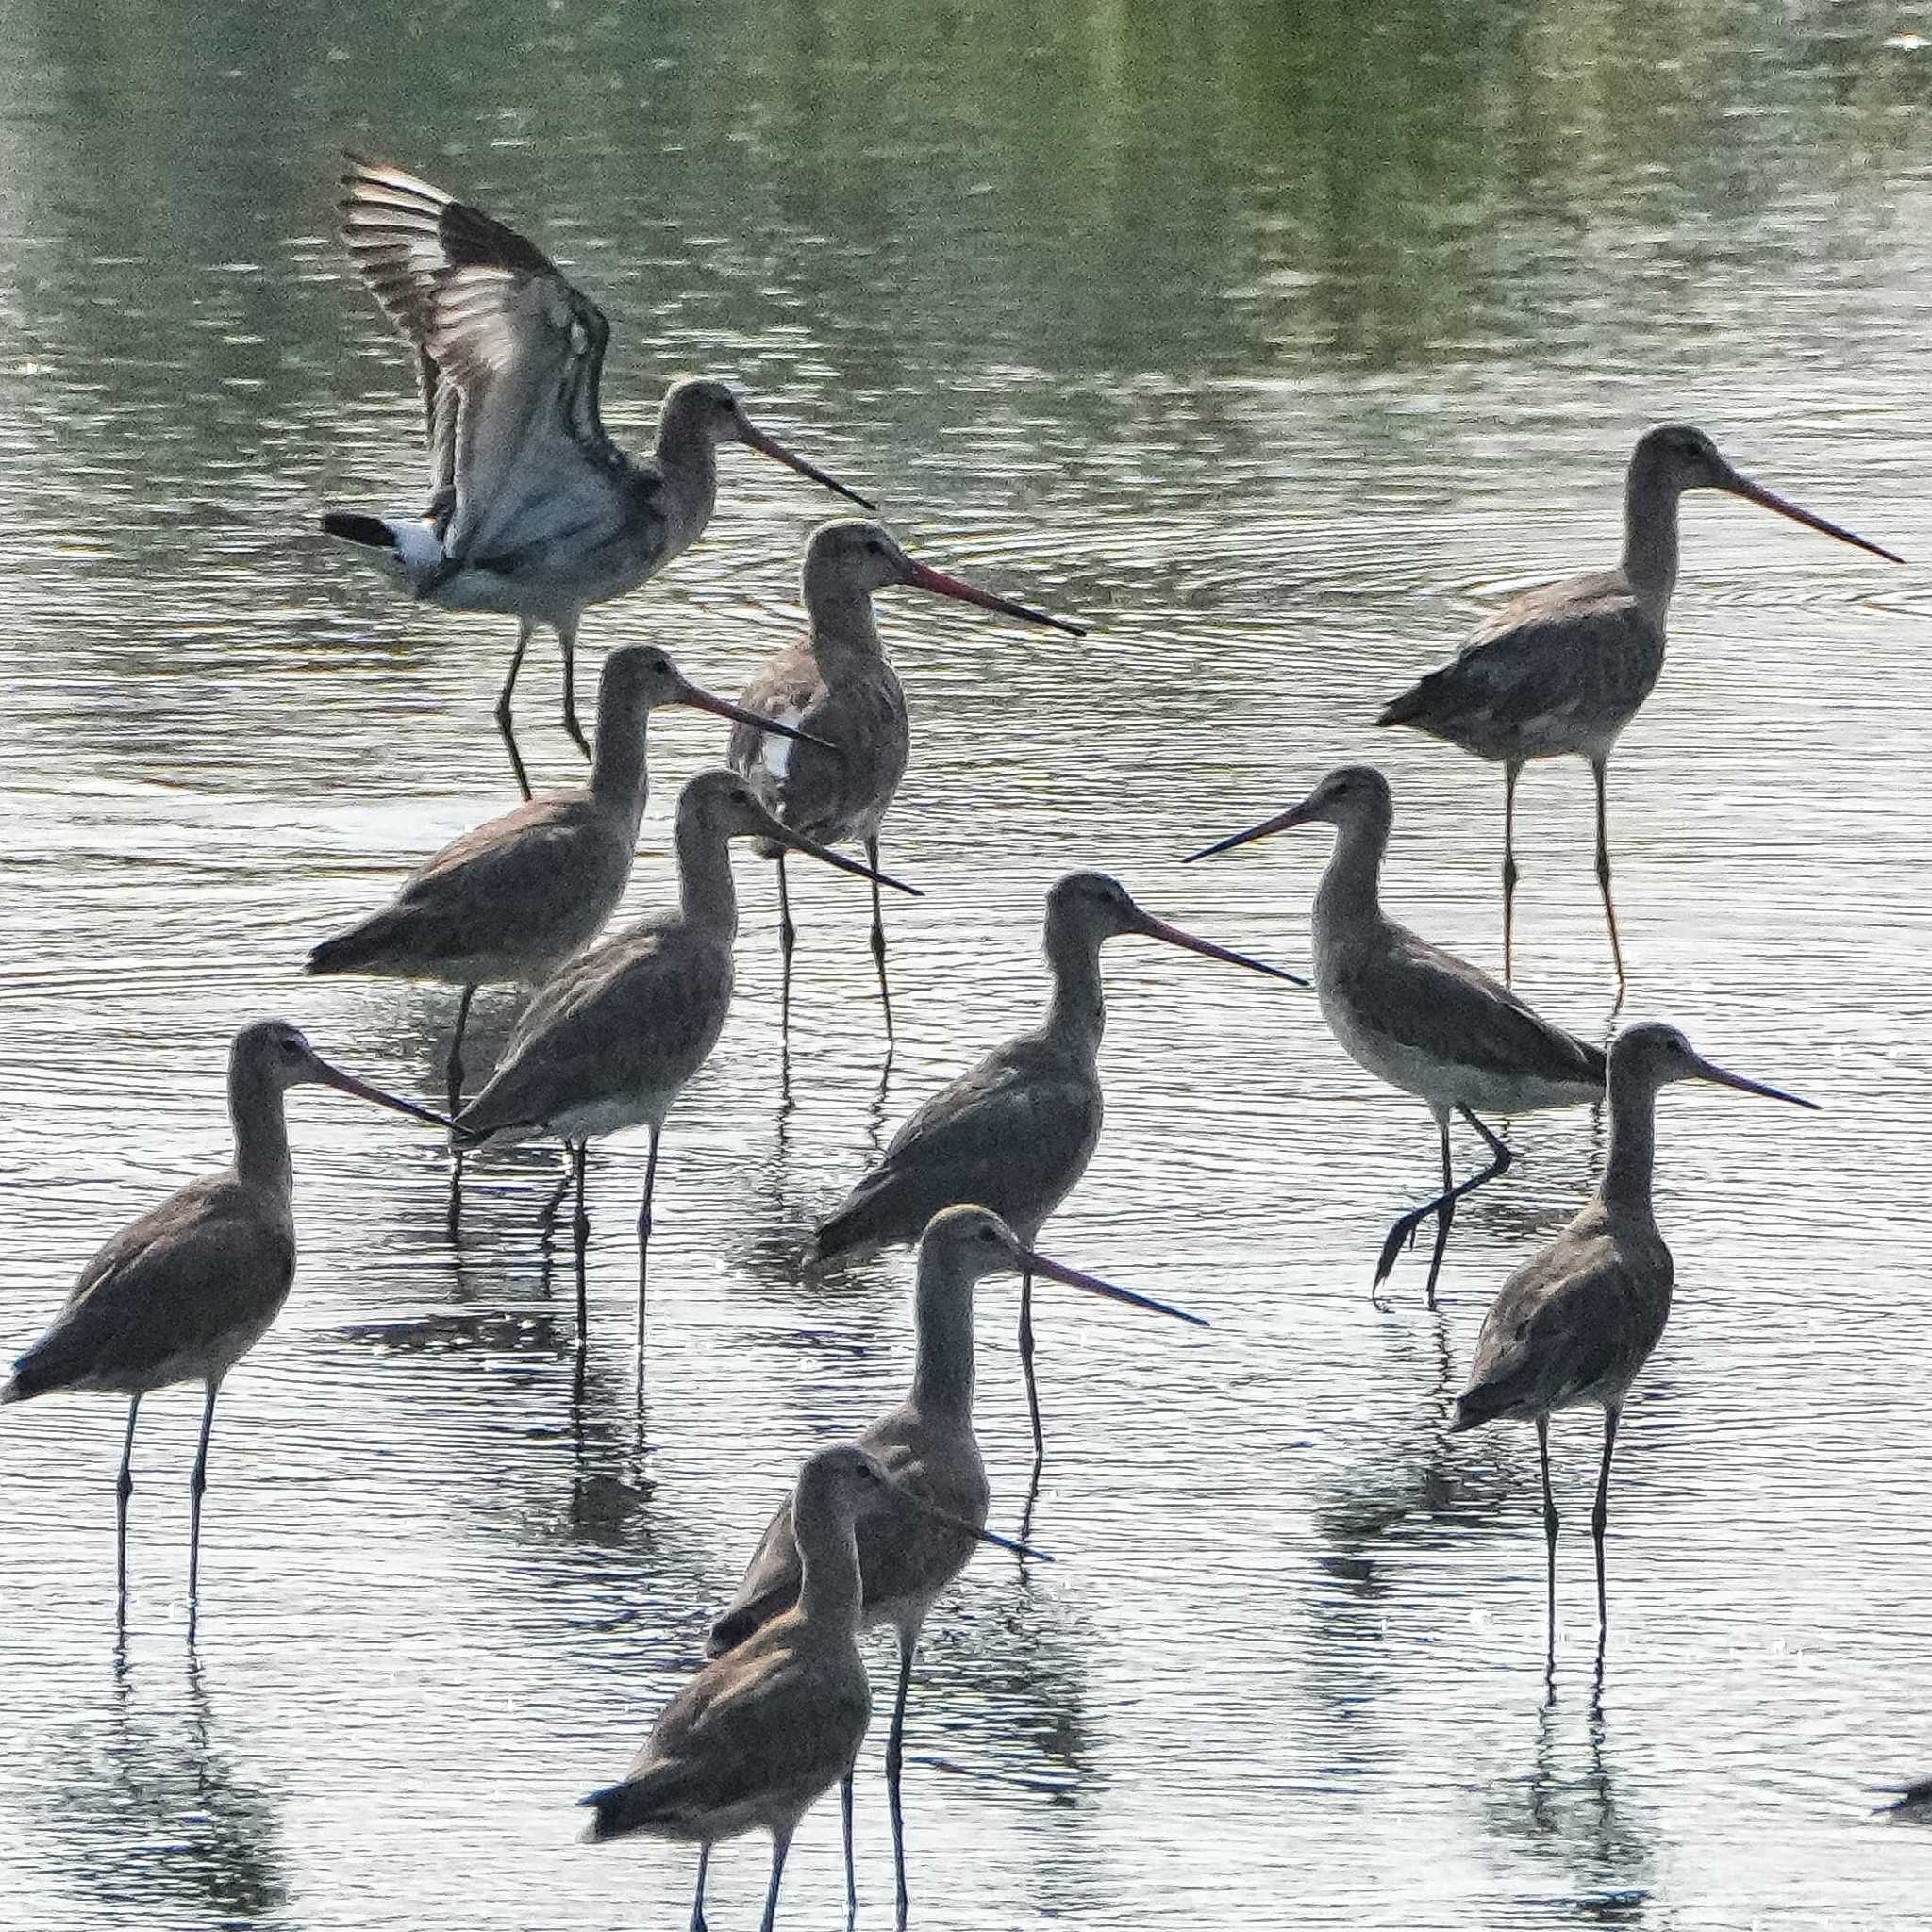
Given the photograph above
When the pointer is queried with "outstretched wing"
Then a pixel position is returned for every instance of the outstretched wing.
(509, 358)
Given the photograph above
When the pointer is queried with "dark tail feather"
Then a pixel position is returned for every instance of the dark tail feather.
(744, 1621)
(350, 951)
(621, 1808)
(353, 527)
(1405, 709)
(862, 1225)
(1475, 1406)
(729, 1631)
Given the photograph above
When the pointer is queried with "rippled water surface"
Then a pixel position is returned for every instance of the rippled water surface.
(1274, 343)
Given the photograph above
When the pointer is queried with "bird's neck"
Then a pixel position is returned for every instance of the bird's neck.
(619, 779)
(828, 1584)
(688, 461)
(842, 623)
(1349, 895)
(943, 1321)
(1078, 1015)
(706, 893)
(1633, 1143)
(1650, 536)
(262, 1132)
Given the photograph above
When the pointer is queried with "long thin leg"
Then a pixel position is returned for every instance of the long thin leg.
(123, 1489)
(697, 1903)
(781, 1843)
(1600, 771)
(580, 1237)
(1027, 1364)
(878, 935)
(895, 1761)
(197, 1488)
(505, 724)
(1550, 1525)
(1510, 774)
(645, 1235)
(1446, 1216)
(787, 937)
(567, 637)
(1599, 1518)
(851, 1871)
(453, 1082)
(1404, 1230)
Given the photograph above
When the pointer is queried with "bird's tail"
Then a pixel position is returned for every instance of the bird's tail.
(636, 1805)
(1406, 709)
(857, 1229)
(744, 1621)
(349, 952)
(405, 549)
(1483, 1404)
(10, 1390)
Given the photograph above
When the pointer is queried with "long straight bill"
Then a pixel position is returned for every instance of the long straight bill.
(345, 1083)
(1720, 1078)
(973, 1529)
(771, 446)
(1769, 499)
(924, 577)
(1281, 821)
(799, 843)
(700, 700)
(1053, 1270)
(1159, 929)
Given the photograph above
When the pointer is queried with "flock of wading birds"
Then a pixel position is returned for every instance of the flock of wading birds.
(534, 512)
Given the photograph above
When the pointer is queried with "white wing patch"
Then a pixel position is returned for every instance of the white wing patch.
(775, 752)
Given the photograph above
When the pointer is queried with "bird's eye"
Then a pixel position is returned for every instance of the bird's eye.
(986, 1234)
(292, 1048)
(874, 547)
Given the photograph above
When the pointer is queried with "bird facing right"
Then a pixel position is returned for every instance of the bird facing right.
(1562, 669)
(838, 684)
(927, 1446)
(1575, 1325)
(1016, 1131)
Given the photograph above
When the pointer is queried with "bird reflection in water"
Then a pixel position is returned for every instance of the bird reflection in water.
(1571, 1812)
(163, 1820)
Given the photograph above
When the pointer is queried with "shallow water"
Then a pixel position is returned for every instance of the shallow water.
(1275, 358)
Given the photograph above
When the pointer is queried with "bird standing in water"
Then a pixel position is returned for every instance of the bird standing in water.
(837, 684)
(533, 510)
(513, 899)
(1016, 1131)
(1561, 670)
(1413, 1015)
(1575, 1325)
(184, 1291)
(760, 1734)
(926, 1444)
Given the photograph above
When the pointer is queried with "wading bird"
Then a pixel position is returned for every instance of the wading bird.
(1016, 1131)
(1575, 1325)
(837, 684)
(1561, 670)
(184, 1292)
(926, 1444)
(760, 1734)
(512, 899)
(533, 510)
(610, 1042)
(1413, 1015)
